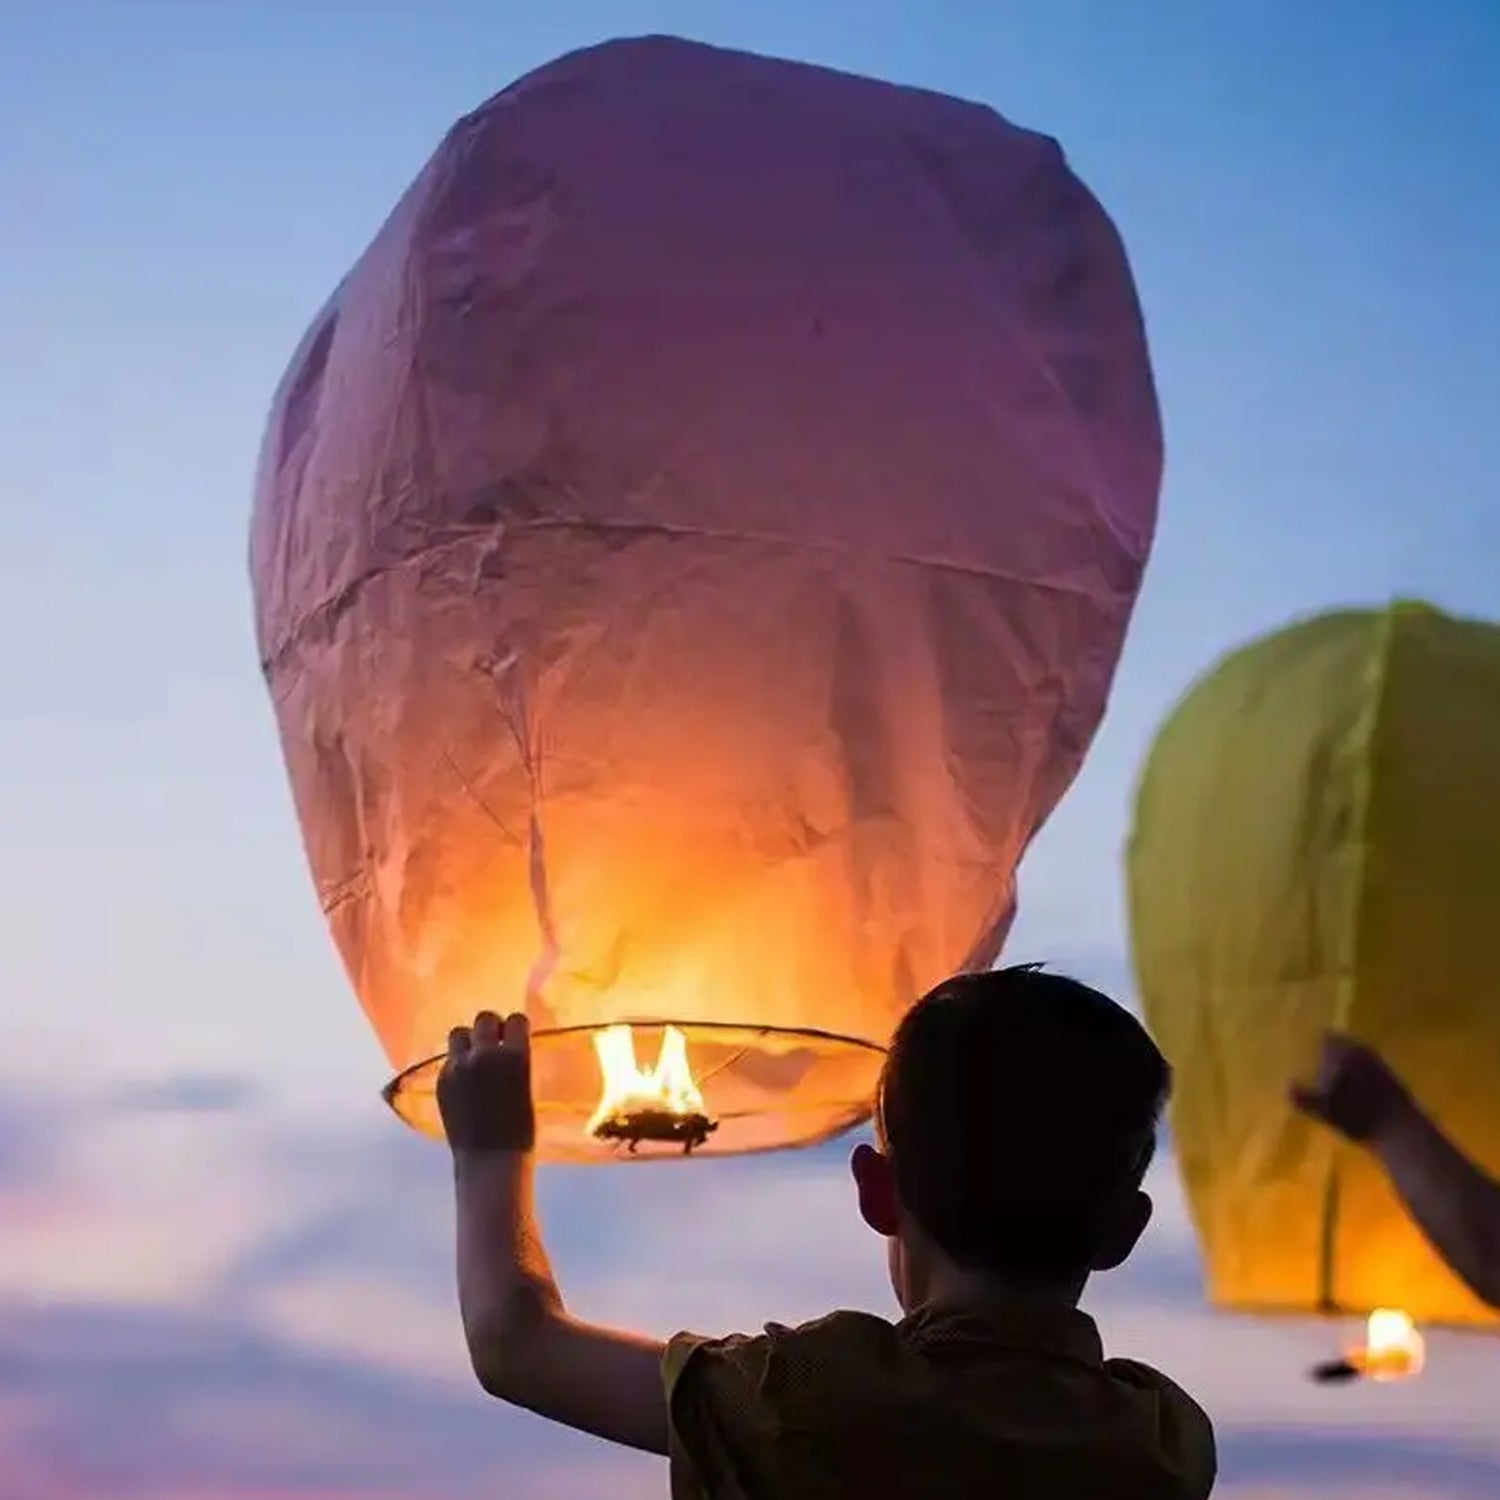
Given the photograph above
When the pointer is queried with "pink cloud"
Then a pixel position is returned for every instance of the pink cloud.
(238, 1303)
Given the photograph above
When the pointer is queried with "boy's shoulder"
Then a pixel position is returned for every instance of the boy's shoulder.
(1183, 1436)
(1176, 1405)
(834, 1337)
(835, 1329)
(1144, 1377)
(855, 1378)
(864, 1337)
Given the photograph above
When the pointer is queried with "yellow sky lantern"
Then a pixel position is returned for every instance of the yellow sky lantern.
(691, 552)
(1316, 844)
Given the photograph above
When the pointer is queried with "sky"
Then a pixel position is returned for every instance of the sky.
(223, 1271)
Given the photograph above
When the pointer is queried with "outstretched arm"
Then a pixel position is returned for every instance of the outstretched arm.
(525, 1347)
(1454, 1204)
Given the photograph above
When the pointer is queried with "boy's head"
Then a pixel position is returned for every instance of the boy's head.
(1015, 1121)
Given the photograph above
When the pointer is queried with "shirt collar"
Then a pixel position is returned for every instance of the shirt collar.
(1030, 1327)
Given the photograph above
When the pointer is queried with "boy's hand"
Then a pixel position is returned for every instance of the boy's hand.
(1355, 1093)
(484, 1089)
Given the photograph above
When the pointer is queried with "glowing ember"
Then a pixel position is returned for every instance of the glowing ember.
(662, 1105)
(1394, 1348)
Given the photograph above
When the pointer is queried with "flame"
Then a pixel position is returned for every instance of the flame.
(628, 1090)
(1394, 1348)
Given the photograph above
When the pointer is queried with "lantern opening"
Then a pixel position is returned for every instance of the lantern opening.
(663, 1105)
(1394, 1349)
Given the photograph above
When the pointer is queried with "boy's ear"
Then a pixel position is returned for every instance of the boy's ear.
(876, 1185)
(1125, 1234)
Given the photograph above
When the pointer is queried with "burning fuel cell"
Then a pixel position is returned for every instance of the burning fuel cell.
(1394, 1349)
(664, 1105)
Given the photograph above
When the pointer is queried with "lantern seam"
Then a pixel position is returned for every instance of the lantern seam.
(1377, 680)
(342, 599)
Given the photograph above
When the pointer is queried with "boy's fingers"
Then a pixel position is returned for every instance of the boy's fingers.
(459, 1041)
(486, 1029)
(517, 1033)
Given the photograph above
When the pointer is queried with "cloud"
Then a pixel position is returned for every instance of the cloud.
(186, 1093)
(205, 1295)
(1283, 1461)
(27, 1153)
(124, 1402)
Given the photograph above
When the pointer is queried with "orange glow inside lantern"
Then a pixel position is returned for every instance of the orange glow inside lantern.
(713, 1089)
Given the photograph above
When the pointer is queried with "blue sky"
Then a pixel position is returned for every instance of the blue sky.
(1311, 201)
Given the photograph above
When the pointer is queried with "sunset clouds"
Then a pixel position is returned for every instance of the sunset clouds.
(206, 1295)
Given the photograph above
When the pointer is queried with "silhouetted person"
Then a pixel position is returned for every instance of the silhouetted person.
(1456, 1206)
(1015, 1120)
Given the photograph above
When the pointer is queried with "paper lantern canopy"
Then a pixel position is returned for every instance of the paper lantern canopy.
(1315, 846)
(691, 552)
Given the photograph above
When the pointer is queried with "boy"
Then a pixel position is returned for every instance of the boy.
(1014, 1124)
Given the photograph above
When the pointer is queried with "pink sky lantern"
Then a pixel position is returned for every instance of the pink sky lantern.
(691, 551)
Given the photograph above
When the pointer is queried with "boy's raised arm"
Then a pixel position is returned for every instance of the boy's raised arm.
(525, 1347)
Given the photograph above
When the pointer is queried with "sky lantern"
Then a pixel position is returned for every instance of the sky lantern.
(1315, 847)
(691, 552)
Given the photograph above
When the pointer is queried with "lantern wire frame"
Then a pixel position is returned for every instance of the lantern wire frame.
(765, 1088)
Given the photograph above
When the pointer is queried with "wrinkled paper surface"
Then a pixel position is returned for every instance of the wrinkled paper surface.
(1315, 846)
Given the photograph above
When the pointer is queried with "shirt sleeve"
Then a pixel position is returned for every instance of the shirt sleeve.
(717, 1415)
(1184, 1434)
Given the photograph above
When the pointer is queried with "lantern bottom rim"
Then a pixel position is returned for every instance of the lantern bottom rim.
(766, 1088)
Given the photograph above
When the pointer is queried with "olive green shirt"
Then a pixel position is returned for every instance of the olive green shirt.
(1014, 1402)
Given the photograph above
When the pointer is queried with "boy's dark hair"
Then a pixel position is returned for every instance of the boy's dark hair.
(1019, 1110)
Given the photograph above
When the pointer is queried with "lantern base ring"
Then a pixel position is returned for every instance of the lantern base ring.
(768, 1088)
